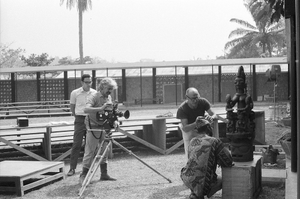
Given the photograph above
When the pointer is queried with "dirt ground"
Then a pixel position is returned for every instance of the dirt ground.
(136, 180)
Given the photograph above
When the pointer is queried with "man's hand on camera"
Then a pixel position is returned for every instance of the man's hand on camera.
(108, 106)
(116, 124)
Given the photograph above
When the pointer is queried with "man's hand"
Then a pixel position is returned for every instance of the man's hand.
(116, 124)
(108, 106)
(211, 118)
(199, 118)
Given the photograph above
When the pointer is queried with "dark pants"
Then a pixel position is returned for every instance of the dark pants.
(79, 133)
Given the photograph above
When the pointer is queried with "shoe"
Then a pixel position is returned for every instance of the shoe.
(193, 196)
(215, 188)
(81, 178)
(106, 177)
(71, 172)
(83, 175)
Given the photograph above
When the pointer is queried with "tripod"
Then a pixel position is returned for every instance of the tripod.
(98, 159)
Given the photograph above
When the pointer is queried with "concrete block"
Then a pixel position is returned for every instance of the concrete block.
(243, 180)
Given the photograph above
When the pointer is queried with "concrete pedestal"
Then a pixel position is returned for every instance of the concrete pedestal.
(243, 180)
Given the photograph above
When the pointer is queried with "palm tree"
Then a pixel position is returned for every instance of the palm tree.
(258, 40)
(82, 6)
(277, 7)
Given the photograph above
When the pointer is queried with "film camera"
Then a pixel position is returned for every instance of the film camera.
(110, 116)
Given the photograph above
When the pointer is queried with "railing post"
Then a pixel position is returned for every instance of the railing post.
(13, 87)
(38, 85)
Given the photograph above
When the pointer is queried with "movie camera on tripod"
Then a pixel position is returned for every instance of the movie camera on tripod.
(109, 117)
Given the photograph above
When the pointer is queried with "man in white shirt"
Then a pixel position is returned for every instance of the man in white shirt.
(78, 101)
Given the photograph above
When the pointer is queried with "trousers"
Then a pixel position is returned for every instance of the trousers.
(79, 133)
(93, 138)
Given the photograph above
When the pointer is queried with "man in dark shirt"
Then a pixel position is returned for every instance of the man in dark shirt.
(191, 110)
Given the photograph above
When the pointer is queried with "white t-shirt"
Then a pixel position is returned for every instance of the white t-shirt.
(79, 97)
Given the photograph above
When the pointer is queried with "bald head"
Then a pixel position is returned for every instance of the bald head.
(192, 92)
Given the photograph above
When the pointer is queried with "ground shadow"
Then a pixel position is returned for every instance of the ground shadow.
(68, 191)
(176, 192)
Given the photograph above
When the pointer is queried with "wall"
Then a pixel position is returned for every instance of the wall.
(208, 87)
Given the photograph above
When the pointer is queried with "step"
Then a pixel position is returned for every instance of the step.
(273, 175)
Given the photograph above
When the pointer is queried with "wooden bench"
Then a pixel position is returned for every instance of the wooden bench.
(151, 132)
(148, 101)
(54, 133)
(42, 134)
(34, 109)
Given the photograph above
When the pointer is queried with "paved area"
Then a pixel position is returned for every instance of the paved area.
(291, 182)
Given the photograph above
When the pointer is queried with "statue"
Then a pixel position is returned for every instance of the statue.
(240, 129)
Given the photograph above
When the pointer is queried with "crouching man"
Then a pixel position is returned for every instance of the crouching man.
(204, 154)
(97, 103)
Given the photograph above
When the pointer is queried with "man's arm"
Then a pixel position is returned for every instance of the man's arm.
(73, 102)
(89, 109)
(212, 114)
(215, 116)
(187, 127)
(72, 107)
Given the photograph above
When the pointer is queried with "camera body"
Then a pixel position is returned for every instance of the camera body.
(109, 117)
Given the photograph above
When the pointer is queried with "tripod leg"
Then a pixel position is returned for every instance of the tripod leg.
(94, 167)
(130, 153)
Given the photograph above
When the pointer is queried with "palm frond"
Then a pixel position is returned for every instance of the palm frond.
(84, 5)
(235, 42)
(243, 51)
(243, 23)
(239, 31)
(69, 3)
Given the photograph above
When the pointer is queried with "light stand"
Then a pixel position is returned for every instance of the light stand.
(274, 100)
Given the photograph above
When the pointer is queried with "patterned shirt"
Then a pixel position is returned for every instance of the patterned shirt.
(204, 154)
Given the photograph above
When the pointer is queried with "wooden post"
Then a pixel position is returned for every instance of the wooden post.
(47, 143)
(156, 133)
(216, 128)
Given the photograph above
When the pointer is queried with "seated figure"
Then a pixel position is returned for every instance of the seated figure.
(204, 154)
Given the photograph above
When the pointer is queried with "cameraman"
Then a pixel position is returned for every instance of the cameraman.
(97, 103)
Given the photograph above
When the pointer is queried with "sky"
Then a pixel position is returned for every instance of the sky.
(123, 30)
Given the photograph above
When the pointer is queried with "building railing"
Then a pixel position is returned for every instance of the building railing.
(147, 80)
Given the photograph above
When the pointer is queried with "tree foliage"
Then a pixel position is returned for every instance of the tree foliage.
(37, 60)
(70, 61)
(10, 58)
(276, 7)
(257, 40)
